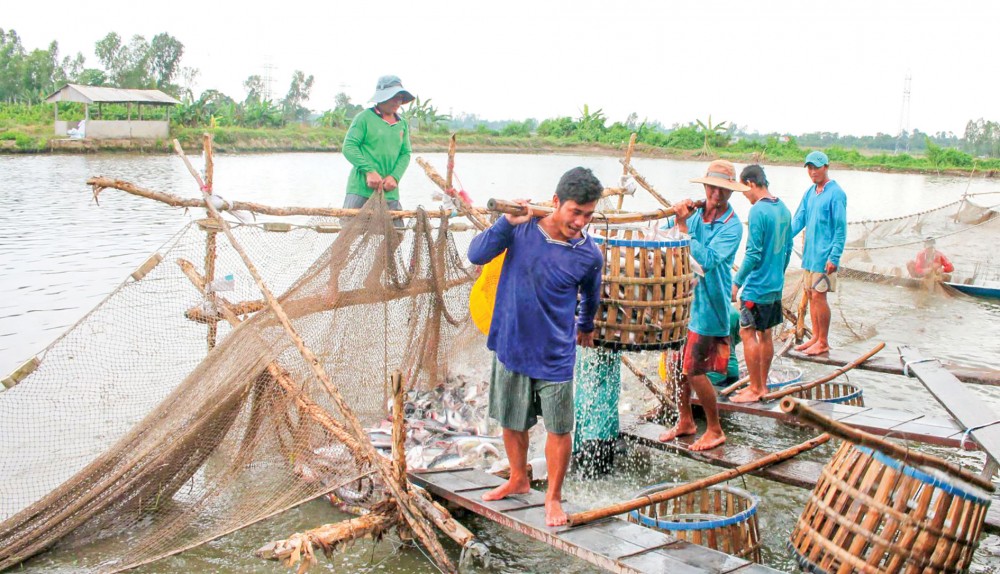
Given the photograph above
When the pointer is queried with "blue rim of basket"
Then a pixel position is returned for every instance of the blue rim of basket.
(845, 398)
(702, 525)
(639, 242)
(779, 384)
(922, 476)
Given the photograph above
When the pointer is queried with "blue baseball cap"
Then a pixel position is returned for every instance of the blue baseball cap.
(817, 158)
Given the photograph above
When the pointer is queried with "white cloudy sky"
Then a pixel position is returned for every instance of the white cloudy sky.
(786, 66)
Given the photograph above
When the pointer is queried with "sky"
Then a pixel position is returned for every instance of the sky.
(769, 66)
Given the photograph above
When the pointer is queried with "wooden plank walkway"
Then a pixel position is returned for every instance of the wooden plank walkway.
(941, 431)
(794, 472)
(960, 402)
(612, 544)
(892, 366)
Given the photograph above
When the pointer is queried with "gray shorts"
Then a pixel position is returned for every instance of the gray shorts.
(516, 401)
(353, 201)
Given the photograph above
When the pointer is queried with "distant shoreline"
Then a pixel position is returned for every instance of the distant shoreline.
(282, 142)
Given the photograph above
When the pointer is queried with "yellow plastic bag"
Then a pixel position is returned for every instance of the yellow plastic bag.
(484, 294)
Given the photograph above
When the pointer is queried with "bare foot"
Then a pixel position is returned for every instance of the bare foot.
(806, 345)
(680, 429)
(554, 515)
(709, 440)
(507, 489)
(747, 396)
(817, 349)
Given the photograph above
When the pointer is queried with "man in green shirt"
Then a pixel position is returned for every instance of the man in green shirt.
(378, 146)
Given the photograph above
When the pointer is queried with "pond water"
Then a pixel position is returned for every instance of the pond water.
(60, 255)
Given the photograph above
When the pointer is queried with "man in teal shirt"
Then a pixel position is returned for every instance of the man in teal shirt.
(761, 279)
(715, 236)
(823, 215)
(378, 146)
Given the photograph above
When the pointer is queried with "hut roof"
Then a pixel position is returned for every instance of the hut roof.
(96, 94)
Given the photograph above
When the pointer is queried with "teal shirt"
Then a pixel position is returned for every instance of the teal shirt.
(371, 144)
(824, 217)
(769, 248)
(713, 246)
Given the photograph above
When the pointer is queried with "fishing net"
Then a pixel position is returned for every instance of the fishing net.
(880, 249)
(134, 438)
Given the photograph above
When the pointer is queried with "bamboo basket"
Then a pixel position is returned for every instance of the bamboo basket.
(646, 290)
(720, 517)
(874, 514)
(838, 393)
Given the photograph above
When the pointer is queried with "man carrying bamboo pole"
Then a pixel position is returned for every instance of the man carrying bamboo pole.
(761, 279)
(534, 330)
(823, 215)
(715, 236)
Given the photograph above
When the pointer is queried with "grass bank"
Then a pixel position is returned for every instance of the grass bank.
(301, 138)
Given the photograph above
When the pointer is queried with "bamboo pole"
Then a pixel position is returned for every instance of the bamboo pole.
(464, 208)
(504, 206)
(443, 519)
(411, 513)
(645, 185)
(210, 238)
(800, 325)
(901, 453)
(101, 183)
(452, 145)
(300, 547)
(398, 429)
(658, 393)
(581, 518)
(625, 165)
(792, 389)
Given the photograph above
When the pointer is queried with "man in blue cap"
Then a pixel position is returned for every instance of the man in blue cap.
(823, 215)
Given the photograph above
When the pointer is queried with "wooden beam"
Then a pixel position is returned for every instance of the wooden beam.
(839, 357)
(979, 422)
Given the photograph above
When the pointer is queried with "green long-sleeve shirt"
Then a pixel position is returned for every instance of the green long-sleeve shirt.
(372, 144)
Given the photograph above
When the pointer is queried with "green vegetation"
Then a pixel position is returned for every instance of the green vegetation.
(262, 122)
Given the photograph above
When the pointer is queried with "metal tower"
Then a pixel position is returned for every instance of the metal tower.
(904, 118)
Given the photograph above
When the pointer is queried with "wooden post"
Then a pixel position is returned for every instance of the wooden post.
(800, 325)
(210, 240)
(452, 145)
(625, 165)
(792, 389)
(906, 455)
(646, 185)
(411, 513)
(464, 208)
(398, 429)
(658, 393)
(581, 518)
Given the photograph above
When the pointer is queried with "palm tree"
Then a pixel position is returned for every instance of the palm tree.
(710, 130)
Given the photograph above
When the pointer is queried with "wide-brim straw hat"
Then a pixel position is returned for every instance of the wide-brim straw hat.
(722, 173)
(387, 88)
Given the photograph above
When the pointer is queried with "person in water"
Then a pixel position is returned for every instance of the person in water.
(930, 263)
(551, 263)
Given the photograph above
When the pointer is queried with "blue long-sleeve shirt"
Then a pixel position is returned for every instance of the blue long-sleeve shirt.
(713, 246)
(824, 217)
(535, 319)
(769, 248)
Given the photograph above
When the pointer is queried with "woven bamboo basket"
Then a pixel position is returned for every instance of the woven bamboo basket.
(779, 376)
(720, 517)
(874, 514)
(646, 290)
(834, 392)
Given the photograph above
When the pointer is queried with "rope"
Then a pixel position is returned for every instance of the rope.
(906, 365)
(968, 431)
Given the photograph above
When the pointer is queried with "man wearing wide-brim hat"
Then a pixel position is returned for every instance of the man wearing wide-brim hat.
(823, 215)
(378, 146)
(715, 232)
